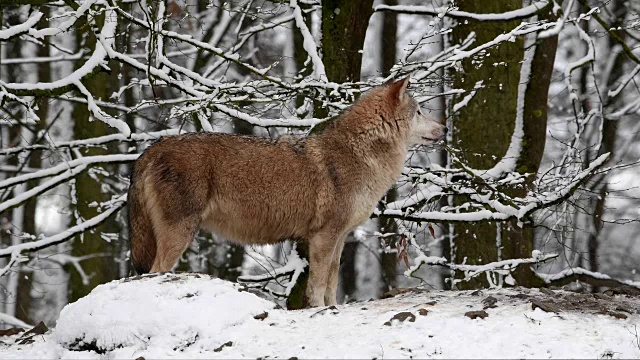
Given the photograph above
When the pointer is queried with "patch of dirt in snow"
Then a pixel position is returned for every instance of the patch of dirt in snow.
(195, 316)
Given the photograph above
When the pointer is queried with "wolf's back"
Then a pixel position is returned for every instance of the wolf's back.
(141, 237)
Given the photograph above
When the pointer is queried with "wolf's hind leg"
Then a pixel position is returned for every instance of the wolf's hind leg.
(330, 296)
(172, 240)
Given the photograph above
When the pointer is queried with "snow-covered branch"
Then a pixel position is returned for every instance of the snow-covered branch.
(491, 204)
(15, 251)
(6, 34)
(573, 274)
(451, 12)
(309, 43)
(504, 267)
(293, 268)
(13, 321)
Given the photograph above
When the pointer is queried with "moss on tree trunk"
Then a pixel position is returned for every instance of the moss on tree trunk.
(102, 267)
(483, 130)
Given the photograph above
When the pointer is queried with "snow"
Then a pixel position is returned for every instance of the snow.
(309, 43)
(195, 316)
(24, 27)
(448, 11)
(580, 271)
(559, 24)
(623, 82)
(15, 250)
(295, 265)
(589, 56)
(468, 97)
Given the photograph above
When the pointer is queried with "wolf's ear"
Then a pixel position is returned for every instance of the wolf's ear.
(398, 89)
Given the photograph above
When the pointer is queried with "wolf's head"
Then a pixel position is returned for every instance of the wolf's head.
(423, 129)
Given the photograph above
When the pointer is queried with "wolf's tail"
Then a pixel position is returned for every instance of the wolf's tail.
(141, 237)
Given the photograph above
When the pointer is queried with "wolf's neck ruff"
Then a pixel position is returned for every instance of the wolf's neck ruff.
(259, 191)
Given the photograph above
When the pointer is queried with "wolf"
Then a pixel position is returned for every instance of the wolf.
(253, 190)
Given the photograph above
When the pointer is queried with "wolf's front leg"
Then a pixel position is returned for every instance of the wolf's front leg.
(321, 248)
(331, 296)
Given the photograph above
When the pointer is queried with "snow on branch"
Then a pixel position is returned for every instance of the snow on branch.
(462, 103)
(13, 321)
(610, 30)
(559, 23)
(504, 267)
(309, 43)
(459, 55)
(624, 82)
(266, 122)
(491, 204)
(16, 250)
(510, 159)
(96, 141)
(573, 274)
(93, 65)
(64, 259)
(292, 269)
(6, 34)
(586, 59)
(523, 13)
(24, 196)
(69, 166)
(228, 56)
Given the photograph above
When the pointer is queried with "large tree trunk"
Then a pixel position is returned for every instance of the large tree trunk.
(100, 268)
(344, 26)
(485, 127)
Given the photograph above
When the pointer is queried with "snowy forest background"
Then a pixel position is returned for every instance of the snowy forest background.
(537, 183)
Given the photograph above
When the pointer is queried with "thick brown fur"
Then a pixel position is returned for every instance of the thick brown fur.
(253, 190)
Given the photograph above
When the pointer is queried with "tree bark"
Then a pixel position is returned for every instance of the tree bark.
(102, 268)
(35, 162)
(609, 132)
(344, 27)
(485, 126)
(388, 260)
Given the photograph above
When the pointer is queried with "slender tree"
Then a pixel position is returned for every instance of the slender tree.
(389, 39)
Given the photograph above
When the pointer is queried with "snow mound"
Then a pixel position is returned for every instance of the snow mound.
(171, 311)
(191, 316)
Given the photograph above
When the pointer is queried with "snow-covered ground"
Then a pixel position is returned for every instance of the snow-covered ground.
(195, 316)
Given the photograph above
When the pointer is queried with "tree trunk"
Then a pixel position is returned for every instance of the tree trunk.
(609, 132)
(35, 162)
(485, 126)
(344, 26)
(21, 219)
(102, 267)
(388, 55)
